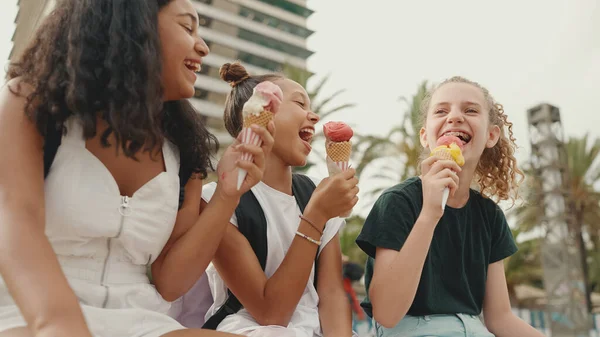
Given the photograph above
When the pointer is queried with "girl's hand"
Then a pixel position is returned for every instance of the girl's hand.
(230, 162)
(335, 195)
(437, 175)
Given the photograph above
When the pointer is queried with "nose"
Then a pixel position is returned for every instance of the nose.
(313, 117)
(455, 116)
(201, 47)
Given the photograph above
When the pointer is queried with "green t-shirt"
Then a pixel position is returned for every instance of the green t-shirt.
(465, 241)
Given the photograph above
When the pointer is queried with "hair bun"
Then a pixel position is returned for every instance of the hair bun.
(233, 73)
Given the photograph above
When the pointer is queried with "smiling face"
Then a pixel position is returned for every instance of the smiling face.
(295, 124)
(461, 110)
(182, 48)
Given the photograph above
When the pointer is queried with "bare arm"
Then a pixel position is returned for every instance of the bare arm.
(499, 319)
(334, 307)
(192, 245)
(271, 301)
(26, 256)
(396, 274)
(195, 239)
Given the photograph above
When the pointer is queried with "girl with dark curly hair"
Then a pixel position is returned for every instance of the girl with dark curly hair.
(110, 78)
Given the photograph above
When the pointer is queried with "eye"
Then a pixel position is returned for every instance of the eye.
(471, 110)
(300, 103)
(188, 29)
(440, 111)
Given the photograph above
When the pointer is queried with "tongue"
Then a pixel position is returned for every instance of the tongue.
(447, 140)
(305, 136)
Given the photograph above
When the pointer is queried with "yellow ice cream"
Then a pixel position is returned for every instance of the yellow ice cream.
(451, 151)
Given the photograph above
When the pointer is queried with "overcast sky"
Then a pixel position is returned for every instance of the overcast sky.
(524, 52)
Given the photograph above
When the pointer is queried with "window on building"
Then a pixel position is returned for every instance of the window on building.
(200, 93)
(274, 44)
(259, 61)
(205, 69)
(290, 7)
(204, 21)
(275, 22)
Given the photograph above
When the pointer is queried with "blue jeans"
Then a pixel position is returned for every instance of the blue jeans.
(457, 325)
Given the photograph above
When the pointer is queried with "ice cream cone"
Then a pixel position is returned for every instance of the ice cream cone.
(442, 153)
(338, 158)
(339, 151)
(448, 152)
(248, 137)
(262, 119)
(338, 148)
(258, 110)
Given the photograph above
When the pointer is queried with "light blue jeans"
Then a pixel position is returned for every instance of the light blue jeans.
(457, 325)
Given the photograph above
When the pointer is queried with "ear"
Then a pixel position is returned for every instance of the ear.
(493, 136)
(423, 137)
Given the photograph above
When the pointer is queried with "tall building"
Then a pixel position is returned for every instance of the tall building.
(263, 34)
(29, 16)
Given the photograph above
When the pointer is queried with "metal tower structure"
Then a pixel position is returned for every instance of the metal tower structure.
(562, 258)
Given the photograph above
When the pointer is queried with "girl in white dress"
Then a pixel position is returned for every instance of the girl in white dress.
(112, 76)
(282, 300)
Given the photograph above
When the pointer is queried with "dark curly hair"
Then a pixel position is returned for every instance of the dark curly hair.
(102, 58)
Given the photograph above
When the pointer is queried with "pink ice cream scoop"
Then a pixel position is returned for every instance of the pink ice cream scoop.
(447, 140)
(337, 131)
(271, 94)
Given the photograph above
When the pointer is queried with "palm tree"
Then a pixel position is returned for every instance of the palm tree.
(400, 149)
(523, 267)
(348, 237)
(584, 199)
(320, 105)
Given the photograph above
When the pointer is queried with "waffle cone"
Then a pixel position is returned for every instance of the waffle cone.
(261, 119)
(339, 151)
(443, 154)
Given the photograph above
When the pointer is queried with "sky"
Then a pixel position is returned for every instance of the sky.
(8, 12)
(524, 52)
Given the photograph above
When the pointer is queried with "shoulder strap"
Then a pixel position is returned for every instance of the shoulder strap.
(252, 223)
(303, 188)
(52, 140)
(184, 175)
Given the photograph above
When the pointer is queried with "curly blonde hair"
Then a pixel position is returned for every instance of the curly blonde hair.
(497, 173)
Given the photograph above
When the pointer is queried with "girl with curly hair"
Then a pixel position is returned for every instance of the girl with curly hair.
(111, 79)
(431, 272)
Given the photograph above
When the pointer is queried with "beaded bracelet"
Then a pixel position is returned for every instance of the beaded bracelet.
(311, 224)
(316, 242)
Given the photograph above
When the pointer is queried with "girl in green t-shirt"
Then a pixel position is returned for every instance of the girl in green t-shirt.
(432, 270)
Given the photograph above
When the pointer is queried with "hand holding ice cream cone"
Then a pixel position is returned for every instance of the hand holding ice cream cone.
(338, 148)
(258, 110)
(448, 148)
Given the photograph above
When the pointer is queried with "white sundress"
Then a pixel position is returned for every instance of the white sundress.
(105, 242)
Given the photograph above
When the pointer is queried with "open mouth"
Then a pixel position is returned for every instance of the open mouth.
(464, 137)
(194, 66)
(306, 134)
